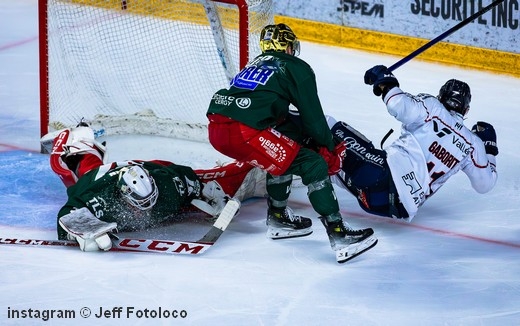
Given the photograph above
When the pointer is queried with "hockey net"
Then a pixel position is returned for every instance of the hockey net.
(142, 66)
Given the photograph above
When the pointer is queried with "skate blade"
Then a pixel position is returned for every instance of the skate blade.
(345, 254)
(278, 234)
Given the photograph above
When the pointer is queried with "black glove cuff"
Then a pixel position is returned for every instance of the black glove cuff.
(491, 148)
(387, 88)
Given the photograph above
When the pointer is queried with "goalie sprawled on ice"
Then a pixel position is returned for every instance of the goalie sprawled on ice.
(135, 195)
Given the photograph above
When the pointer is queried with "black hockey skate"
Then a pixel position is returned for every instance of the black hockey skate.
(283, 224)
(348, 243)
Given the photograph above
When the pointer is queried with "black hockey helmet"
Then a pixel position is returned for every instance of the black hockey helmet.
(455, 95)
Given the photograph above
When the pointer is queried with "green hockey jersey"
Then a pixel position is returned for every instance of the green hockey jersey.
(260, 96)
(97, 190)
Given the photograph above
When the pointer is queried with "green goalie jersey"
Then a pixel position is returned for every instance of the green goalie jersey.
(260, 95)
(97, 190)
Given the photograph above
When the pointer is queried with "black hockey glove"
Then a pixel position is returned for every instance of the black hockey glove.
(382, 79)
(486, 132)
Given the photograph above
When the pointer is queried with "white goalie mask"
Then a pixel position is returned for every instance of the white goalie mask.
(137, 187)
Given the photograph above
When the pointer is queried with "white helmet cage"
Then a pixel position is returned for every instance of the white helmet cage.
(138, 187)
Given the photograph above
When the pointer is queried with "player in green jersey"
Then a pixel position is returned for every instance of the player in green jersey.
(251, 121)
(136, 195)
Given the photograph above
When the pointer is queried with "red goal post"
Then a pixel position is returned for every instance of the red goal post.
(142, 66)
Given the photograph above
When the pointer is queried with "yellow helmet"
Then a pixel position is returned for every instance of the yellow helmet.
(277, 38)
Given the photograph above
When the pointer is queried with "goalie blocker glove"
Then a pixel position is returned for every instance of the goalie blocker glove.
(487, 134)
(90, 232)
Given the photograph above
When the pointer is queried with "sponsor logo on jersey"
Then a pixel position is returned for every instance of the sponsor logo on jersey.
(223, 99)
(411, 181)
(461, 144)
(243, 102)
(193, 186)
(179, 185)
(97, 204)
(440, 131)
(256, 73)
(456, 140)
(415, 188)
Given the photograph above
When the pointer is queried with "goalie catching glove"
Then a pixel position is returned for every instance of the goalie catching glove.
(90, 232)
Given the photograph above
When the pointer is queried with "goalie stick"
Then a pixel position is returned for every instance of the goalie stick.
(152, 245)
(125, 244)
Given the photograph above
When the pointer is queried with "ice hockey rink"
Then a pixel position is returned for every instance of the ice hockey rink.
(456, 263)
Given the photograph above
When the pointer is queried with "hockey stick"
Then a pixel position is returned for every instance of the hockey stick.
(152, 245)
(223, 220)
(443, 35)
(133, 245)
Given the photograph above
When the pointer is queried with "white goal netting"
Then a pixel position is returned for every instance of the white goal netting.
(143, 66)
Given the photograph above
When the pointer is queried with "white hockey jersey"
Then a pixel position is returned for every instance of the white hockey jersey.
(434, 145)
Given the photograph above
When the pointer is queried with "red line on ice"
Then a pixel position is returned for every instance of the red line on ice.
(18, 43)
(8, 148)
(451, 233)
(429, 229)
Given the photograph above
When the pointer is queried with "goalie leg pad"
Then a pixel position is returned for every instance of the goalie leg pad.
(71, 141)
(213, 199)
(229, 176)
(74, 153)
(67, 176)
(254, 185)
(237, 179)
(213, 191)
(81, 141)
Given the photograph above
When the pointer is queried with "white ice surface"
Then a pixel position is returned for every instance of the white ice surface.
(457, 263)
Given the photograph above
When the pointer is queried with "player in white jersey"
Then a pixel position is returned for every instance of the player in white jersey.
(434, 145)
